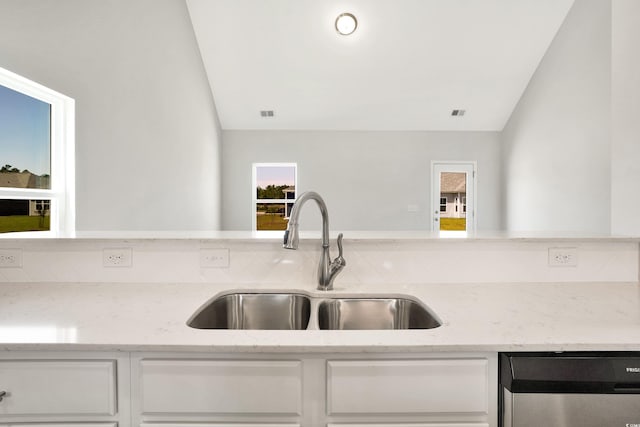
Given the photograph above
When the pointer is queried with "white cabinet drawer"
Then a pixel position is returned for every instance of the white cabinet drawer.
(221, 386)
(426, 386)
(55, 387)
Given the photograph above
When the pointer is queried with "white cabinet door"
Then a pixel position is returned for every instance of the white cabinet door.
(450, 386)
(221, 387)
(56, 387)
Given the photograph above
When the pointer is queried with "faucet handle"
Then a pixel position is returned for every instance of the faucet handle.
(334, 267)
(340, 260)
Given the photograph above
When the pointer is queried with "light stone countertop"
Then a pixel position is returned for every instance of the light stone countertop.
(476, 317)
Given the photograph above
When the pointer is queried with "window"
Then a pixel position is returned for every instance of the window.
(37, 158)
(443, 204)
(274, 193)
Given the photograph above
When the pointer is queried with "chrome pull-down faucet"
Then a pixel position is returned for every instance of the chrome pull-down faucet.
(327, 269)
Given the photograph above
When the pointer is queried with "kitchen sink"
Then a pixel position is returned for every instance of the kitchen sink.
(239, 310)
(297, 311)
(375, 313)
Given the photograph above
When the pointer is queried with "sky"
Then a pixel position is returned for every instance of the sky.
(275, 175)
(25, 129)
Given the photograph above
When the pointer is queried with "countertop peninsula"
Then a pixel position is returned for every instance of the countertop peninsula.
(490, 317)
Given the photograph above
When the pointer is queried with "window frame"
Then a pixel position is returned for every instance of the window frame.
(255, 200)
(62, 191)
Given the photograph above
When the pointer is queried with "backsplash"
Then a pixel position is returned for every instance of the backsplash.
(369, 262)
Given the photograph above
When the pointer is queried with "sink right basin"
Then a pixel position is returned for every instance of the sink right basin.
(375, 313)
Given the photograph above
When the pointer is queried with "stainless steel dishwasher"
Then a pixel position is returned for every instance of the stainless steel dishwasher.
(570, 389)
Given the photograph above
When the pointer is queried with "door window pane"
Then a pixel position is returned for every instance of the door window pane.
(453, 187)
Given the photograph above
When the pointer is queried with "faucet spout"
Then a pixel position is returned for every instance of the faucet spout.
(327, 269)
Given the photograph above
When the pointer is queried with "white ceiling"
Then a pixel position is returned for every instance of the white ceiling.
(409, 63)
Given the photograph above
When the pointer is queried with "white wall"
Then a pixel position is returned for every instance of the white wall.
(625, 152)
(557, 142)
(147, 135)
(368, 179)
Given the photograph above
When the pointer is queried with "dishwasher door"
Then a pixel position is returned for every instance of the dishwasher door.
(571, 410)
(570, 389)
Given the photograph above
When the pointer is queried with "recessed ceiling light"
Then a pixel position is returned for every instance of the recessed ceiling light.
(346, 23)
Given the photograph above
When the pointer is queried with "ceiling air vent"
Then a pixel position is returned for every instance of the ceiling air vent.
(266, 113)
(458, 113)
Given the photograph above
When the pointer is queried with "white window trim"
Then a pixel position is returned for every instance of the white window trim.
(62, 192)
(254, 203)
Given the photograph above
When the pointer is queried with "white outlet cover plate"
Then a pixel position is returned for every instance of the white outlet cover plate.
(117, 257)
(10, 258)
(563, 257)
(214, 258)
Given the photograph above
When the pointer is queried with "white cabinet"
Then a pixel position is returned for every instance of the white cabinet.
(423, 386)
(93, 389)
(64, 389)
(314, 390)
(55, 387)
(184, 390)
(221, 387)
(446, 390)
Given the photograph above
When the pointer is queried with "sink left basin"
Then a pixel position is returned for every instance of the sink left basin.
(246, 310)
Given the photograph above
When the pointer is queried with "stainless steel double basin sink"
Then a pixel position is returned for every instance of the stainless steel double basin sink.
(277, 310)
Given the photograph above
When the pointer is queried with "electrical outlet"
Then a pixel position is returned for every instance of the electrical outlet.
(117, 257)
(563, 257)
(214, 258)
(10, 258)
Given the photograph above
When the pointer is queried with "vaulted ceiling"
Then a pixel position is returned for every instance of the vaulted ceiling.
(406, 67)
